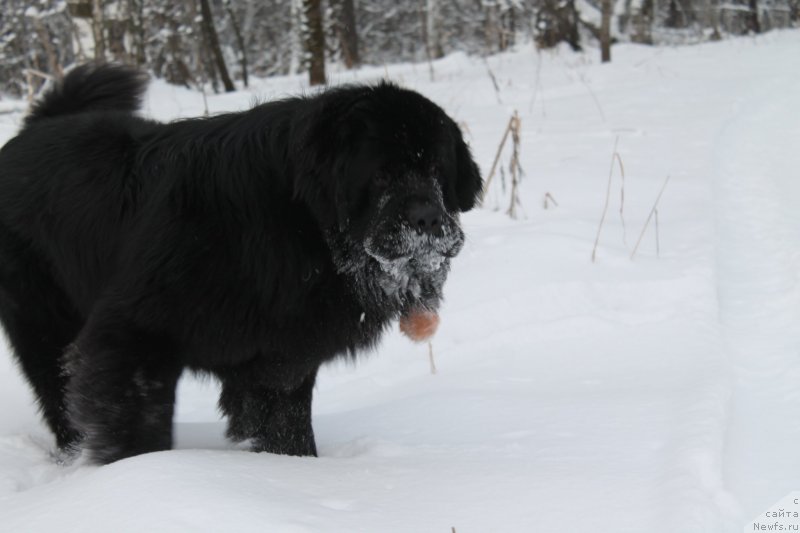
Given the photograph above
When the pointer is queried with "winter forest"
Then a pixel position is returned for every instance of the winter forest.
(219, 42)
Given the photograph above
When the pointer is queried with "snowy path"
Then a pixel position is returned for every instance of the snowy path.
(660, 395)
(758, 182)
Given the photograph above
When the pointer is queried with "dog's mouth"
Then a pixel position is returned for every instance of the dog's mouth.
(403, 245)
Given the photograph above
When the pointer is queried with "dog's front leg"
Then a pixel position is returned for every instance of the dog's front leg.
(274, 414)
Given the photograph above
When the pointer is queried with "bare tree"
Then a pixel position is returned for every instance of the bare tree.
(269, 37)
(556, 22)
(347, 32)
(753, 23)
(605, 31)
(46, 39)
(137, 31)
(98, 22)
(237, 31)
(433, 25)
(314, 40)
(213, 43)
(639, 21)
(117, 30)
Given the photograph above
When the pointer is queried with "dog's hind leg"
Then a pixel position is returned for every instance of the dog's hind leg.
(121, 393)
(39, 321)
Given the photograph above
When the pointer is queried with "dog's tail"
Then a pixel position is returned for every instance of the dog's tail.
(92, 88)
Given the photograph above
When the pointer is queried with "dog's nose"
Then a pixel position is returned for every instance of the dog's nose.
(424, 217)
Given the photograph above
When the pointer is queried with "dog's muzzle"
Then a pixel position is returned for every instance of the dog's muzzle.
(416, 231)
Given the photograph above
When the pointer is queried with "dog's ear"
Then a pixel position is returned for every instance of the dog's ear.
(317, 148)
(468, 182)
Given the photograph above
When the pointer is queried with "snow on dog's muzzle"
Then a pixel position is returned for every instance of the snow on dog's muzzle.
(414, 230)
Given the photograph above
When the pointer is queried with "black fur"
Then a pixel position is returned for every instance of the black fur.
(254, 246)
(102, 88)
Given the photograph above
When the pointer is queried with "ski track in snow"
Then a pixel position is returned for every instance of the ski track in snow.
(758, 188)
(655, 395)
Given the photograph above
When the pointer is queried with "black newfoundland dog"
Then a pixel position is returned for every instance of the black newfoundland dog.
(253, 246)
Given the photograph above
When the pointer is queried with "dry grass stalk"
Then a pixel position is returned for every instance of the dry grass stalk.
(658, 244)
(50, 52)
(549, 198)
(594, 97)
(494, 80)
(515, 167)
(622, 198)
(647, 222)
(29, 75)
(430, 357)
(76, 38)
(538, 85)
(614, 157)
(496, 160)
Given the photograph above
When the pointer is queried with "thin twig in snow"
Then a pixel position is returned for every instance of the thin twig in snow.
(658, 244)
(647, 222)
(496, 160)
(594, 97)
(494, 81)
(538, 83)
(622, 198)
(29, 74)
(608, 197)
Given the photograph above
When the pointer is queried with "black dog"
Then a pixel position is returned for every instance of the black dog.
(254, 246)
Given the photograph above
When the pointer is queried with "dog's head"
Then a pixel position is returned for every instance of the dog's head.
(387, 172)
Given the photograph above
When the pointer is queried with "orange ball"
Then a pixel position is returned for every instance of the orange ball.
(419, 325)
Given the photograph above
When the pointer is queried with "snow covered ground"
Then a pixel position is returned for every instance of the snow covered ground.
(659, 394)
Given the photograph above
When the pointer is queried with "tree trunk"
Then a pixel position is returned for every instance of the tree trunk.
(239, 42)
(433, 26)
(98, 21)
(52, 58)
(490, 26)
(115, 39)
(297, 37)
(754, 25)
(213, 44)
(556, 22)
(348, 33)
(605, 31)
(314, 42)
(642, 23)
(137, 31)
(508, 27)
